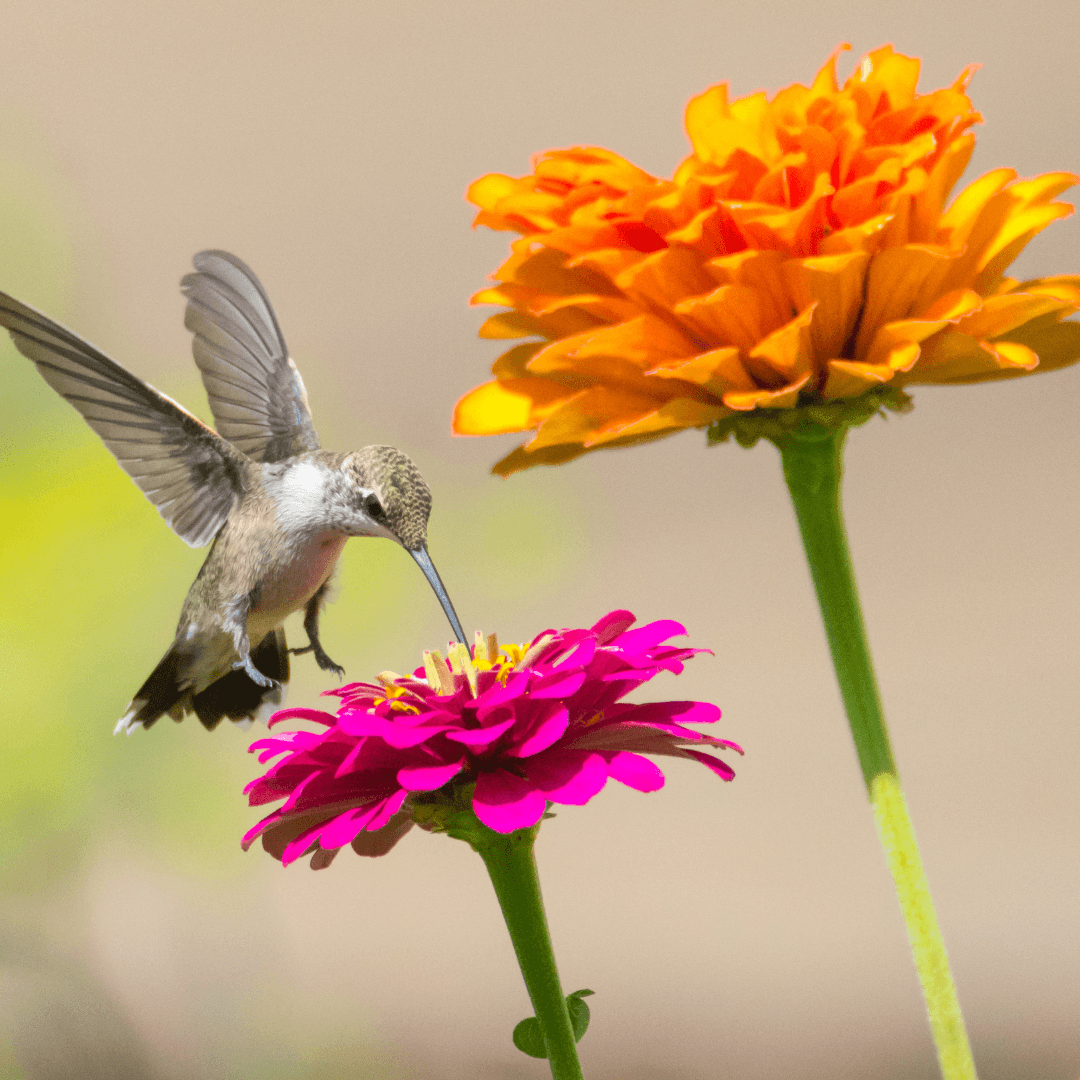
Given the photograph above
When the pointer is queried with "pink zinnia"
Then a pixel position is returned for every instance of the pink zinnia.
(513, 731)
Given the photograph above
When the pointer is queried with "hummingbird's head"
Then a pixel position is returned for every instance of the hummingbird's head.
(387, 497)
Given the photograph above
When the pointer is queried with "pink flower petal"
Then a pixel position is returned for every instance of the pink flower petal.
(721, 768)
(557, 685)
(359, 722)
(380, 842)
(388, 809)
(480, 739)
(498, 695)
(682, 712)
(578, 657)
(320, 717)
(349, 762)
(645, 637)
(398, 735)
(643, 738)
(429, 778)
(299, 847)
(612, 625)
(297, 791)
(505, 802)
(634, 771)
(556, 729)
(548, 732)
(571, 777)
(340, 831)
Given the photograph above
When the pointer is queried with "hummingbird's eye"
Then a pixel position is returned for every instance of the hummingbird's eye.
(373, 508)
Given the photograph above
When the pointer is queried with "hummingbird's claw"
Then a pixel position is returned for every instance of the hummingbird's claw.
(321, 658)
(254, 674)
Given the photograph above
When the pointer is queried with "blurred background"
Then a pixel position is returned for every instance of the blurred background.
(745, 930)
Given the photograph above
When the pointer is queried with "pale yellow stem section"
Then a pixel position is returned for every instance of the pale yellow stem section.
(931, 961)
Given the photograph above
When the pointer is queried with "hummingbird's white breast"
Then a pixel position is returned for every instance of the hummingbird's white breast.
(306, 549)
(293, 583)
(299, 491)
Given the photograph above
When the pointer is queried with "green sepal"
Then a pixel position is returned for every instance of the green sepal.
(748, 427)
(529, 1040)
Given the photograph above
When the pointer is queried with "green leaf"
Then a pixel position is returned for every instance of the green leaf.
(579, 1012)
(528, 1037)
(528, 1040)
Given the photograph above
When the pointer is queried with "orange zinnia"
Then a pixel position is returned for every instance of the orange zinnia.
(802, 254)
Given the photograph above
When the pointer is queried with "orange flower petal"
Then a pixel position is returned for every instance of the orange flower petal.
(923, 221)
(893, 336)
(717, 372)
(665, 278)
(834, 285)
(731, 315)
(496, 408)
(490, 190)
(520, 458)
(897, 280)
(786, 353)
(1000, 314)
(999, 223)
(783, 398)
(763, 270)
(953, 305)
(1065, 287)
(802, 252)
(513, 364)
(849, 378)
(955, 358)
(644, 341)
(798, 230)
(670, 417)
(516, 324)
(716, 132)
(958, 221)
(589, 414)
(552, 272)
(1057, 344)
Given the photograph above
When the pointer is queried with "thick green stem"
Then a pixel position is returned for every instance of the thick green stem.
(813, 470)
(512, 867)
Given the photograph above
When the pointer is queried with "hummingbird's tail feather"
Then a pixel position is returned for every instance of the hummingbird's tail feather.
(239, 697)
(234, 695)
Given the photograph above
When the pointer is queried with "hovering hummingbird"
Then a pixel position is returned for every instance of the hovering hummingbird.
(277, 507)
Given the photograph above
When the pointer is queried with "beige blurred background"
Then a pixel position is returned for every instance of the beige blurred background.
(745, 930)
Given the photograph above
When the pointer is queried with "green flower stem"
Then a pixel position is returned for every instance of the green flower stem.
(811, 457)
(512, 867)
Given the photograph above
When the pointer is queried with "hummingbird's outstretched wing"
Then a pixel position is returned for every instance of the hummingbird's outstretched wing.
(256, 394)
(191, 474)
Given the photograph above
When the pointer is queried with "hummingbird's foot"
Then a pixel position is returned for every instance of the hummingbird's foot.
(327, 664)
(254, 674)
(321, 658)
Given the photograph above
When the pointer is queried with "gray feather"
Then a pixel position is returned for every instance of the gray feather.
(192, 475)
(256, 394)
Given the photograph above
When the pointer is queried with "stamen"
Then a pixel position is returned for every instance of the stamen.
(462, 664)
(437, 672)
(535, 651)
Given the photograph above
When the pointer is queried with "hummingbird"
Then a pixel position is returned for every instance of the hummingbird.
(276, 507)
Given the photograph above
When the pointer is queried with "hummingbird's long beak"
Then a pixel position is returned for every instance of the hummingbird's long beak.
(423, 560)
